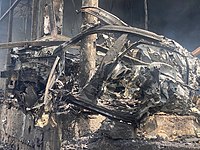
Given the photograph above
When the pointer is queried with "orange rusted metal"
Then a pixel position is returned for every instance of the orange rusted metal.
(196, 52)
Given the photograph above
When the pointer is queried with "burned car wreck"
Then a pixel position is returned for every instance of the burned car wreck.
(138, 74)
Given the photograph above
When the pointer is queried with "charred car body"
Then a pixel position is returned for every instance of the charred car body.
(138, 73)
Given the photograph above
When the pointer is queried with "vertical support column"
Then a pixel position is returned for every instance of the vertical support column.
(146, 15)
(34, 26)
(58, 10)
(42, 4)
(41, 18)
(27, 23)
(52, 17)
(0, 6)
(10, 23)
(9, 39)
(88, 48)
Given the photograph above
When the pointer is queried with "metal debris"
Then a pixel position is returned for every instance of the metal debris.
(140, 74)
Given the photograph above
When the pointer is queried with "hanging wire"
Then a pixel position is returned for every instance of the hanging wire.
(9, 9)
